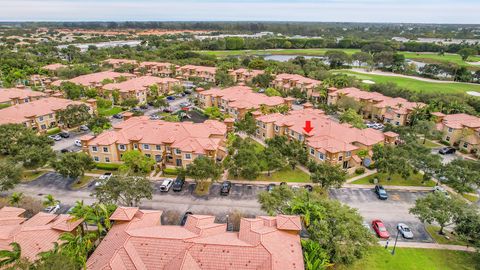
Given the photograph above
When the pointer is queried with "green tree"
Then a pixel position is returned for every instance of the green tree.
(337, 58)
(465, 53)
(214, 113)
(136, 162)
(72, 91)
(10, 174)
(351, 117)
(262, 80)
(461, 174)
(15, 137)
(326, 175)
(467, 225)
(245, 162)
(202, 169)
(8, 257)
(77, 246)
(272, 92)
(98, 123)
(273, 158)
(314, 256)
(223, 78)
(391, 160)
(437, 207)
(49, 200)
(15, 198)
(247, 124)
(124, 190)
(34, 156)
(74, 115)
(73, 165)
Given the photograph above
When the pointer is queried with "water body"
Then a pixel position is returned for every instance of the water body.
(84, 46)
(287, 57)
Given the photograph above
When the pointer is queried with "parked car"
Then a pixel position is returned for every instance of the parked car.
(185, 217)
(309, 188)
(65, 150)
(270, 187)
(447, 150)
(225, 189)
(83, 128)
(64, 134)
(154, 117)
(380, 229)
(170, 98)
(105, 176)
(185, 104)
(166, 185)
(143, 106)
(55, 137)
(78, 143)
(52, 209)
(168, 110)
(179, 182)
(381, 192)
(405, 230)
(117, 116)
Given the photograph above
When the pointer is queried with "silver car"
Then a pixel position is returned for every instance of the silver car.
(405, 231)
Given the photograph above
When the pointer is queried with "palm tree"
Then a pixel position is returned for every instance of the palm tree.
(77, 245)
(50, 201)
(8, 257)
(15, 198)
(44, 255)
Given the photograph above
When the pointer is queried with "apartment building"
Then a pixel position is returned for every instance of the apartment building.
(54, 67)
(39, 114)
(157, 69)
(245, 75)
(14, 96)
(375, 106)
(238, 100)
(461, 130)
(169, 143)
(286, 82)
(329, 141)
(139, 88)
(117, 63)
(94, 80)
(34, 235)
(138, 240)
(206, 74)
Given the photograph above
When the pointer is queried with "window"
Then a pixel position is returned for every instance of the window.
(257, 131)
(25, 100)
(146, 146)
(465, 145)
(292, 133)
(107, 159)
(447, 139)
(312, 151)
(188, 156)
(40, 118)
(263, 125)
(105, 149)
(43, 127)
(348, 154)
(122, 147)
(340, 158)
(450, 129)
(158, 147)
(277, 128)
(158, 158)
(321, 156)
(51, 116)
(177, 151)
(94, 149)
(135, 146)
(397, 123)
(300, 137)
(389, 120)
(398, 115)
(148, 155)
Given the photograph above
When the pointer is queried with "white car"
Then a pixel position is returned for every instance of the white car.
(55, 137)
(405, 231)
(105, 176)
(78, 143)
(52, 209)
(166, 185)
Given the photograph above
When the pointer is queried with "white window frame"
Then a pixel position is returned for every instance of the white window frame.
(107, 160)
(146, 146)
(321, 156)
(188, 156)
(105, 148)
(94, 149)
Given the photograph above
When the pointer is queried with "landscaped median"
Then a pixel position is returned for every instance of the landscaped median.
(395, 180)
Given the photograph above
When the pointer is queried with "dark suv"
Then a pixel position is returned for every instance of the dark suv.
(381, 192)
(447, 150)
(178, 183)
(64, 134)
(225, 189)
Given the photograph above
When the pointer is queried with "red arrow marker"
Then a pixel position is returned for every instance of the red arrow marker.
(308, 127)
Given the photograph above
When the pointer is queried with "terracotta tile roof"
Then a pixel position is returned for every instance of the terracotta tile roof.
(34, 235)
(95, 78)
(390, 134)
(53, 67)
(461, 120)
(298, 79)
(247, 72)
(153, 246)
(21, 112)
(113, 61)
(285, 222)
(243, 97)
(8, 94)
(139, 83)
(199, 68)
(124, 213)
(155, 64)
(186, 136)
(326, 134)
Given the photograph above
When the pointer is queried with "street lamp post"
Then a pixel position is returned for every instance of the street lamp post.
(395, 245)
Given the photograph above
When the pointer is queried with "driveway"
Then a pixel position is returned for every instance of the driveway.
(391, 211)
(445, 158)
(68, 143)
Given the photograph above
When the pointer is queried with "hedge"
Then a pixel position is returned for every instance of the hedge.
(107, 166)
(54, 130)
(170, 171)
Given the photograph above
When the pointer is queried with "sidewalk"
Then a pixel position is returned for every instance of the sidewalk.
(367, 173)
(428, 246)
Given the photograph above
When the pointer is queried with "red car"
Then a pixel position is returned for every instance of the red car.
(380, 229)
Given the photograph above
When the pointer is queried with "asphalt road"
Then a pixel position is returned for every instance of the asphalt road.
(68, 143)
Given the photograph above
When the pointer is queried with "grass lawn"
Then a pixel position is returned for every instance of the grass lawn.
(414, 259)
(416, 85)
(28, 176)
(286, 175)
(429, 143)
(82, 182)
(447, 58)
(109, 111)
(440, 239)
(471, 197)
(397, 180)
(202, 188)
(99, 171)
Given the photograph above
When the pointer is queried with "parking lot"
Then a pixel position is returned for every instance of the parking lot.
(68, 143)
(392, 211)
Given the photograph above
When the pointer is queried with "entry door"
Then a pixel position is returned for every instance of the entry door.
(179, 162)
(345, 164)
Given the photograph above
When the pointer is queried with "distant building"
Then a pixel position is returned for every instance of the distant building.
(34, 235)
(287, 82)
(245, 75)
(206, 74)
(157, 69)
(13, 96)
(94, 80)
(375, 106)
(329, 141)
(137, 240)
(461, 130)
(117, 63)
(169, 143)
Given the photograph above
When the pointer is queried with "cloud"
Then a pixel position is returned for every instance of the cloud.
(426, 11)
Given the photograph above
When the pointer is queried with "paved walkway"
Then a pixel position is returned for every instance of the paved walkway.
(367, 173)
(427, 246)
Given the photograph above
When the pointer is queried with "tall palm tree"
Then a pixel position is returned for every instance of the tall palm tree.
(15, 198)
(8, 257)
(49, 200)
(77, 245)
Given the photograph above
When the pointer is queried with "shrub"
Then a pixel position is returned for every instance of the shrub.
(171, 171)
(445, 143)
(360, 170)
(107, 166)
(54, 130)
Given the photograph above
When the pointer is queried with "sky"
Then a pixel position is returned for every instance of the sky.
(406, 11)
